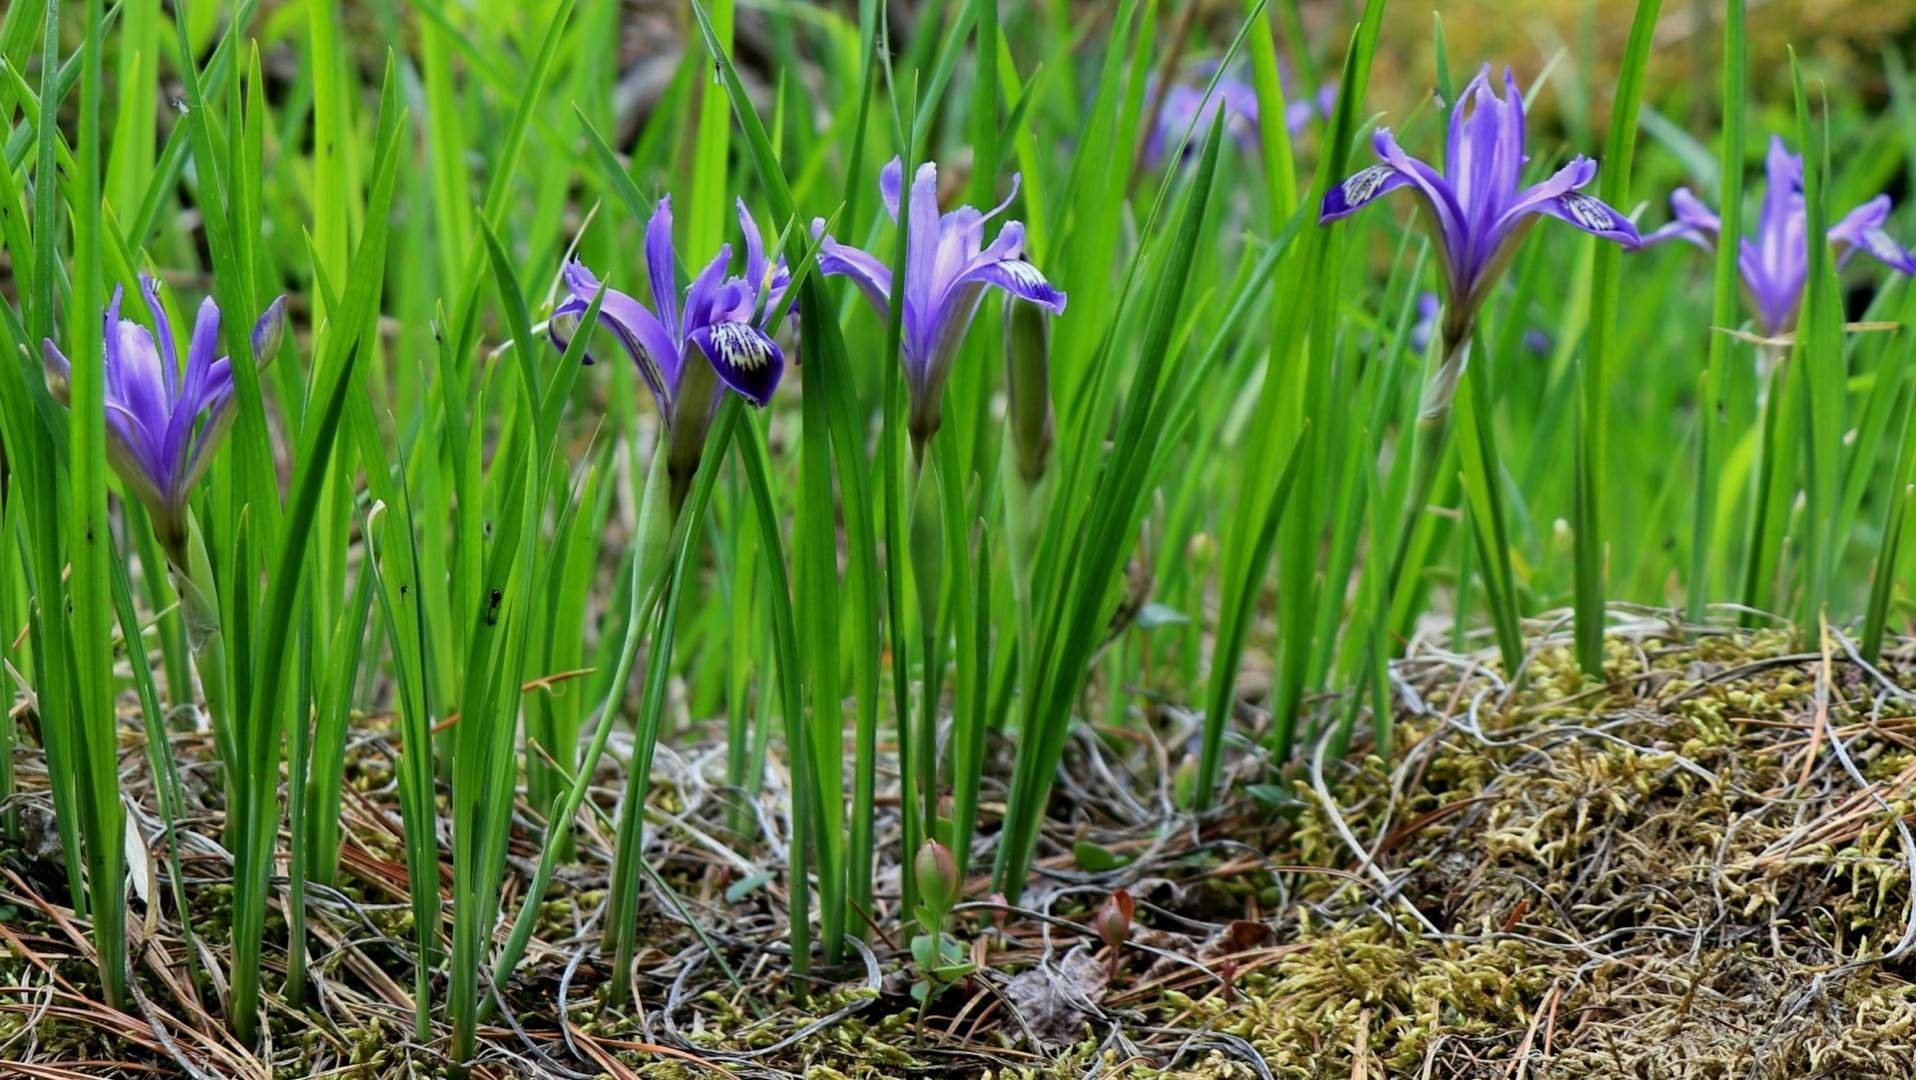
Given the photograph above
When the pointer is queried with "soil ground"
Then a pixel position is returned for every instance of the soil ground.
(1699, 867)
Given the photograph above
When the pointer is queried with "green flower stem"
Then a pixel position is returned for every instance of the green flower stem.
(651, 547)
(927, 545)
(1426, 461)
(1027, 506)
(1427, 447)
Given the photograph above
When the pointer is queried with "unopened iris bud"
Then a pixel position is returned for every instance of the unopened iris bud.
(1028, 389)
(938, 880)
(268, 333)
(59, 373)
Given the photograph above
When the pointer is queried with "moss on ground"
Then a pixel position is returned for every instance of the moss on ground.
(1676, 872)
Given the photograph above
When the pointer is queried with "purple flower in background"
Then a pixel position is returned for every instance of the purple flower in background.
(947, 269)
(1425, 328)
(1775, 267)
(686, 352)
(1185, 109)
(164, 423)
(1301, 111)
(1477, 211)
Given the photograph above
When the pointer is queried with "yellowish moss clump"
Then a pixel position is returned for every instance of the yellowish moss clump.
(1648, 876)
(1364, 985)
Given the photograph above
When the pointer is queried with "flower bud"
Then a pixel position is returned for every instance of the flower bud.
(997, 918)
(938, 880)
(1113, 919)
(59, 373)
(268, 332)
(1028, 388)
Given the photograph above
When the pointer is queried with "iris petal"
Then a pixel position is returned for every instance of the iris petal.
(891, 185)
(163, 330)
(141, 385)
(921, 289)
(1579, 172)
(1457, 141)
(1882, 247)
(1439, 197)
(754, 250)
(1359, 190)
(1773, 296)
(866, 270)
(219, 420)
(661, 267)
(702, 296)
(126, 452)
(1693, 221)
(195, 386)
(1594, 216)
(1862, 230)
(139, 446)
(638, 330)
(1778, 226)
(745, 358)
(1020, 279)
(1475, 167)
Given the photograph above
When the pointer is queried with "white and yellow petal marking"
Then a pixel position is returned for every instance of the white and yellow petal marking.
(1023, 273)
(1361, 187)
(1588, 212)
(740, 346)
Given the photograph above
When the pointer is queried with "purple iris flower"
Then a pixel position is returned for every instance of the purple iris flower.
(1775, 267)
(1477, 212)
(717, 338)
(163, 424)
(947, 268)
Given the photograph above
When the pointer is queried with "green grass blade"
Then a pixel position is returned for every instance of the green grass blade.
(1713, 408)
(1593, 384)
